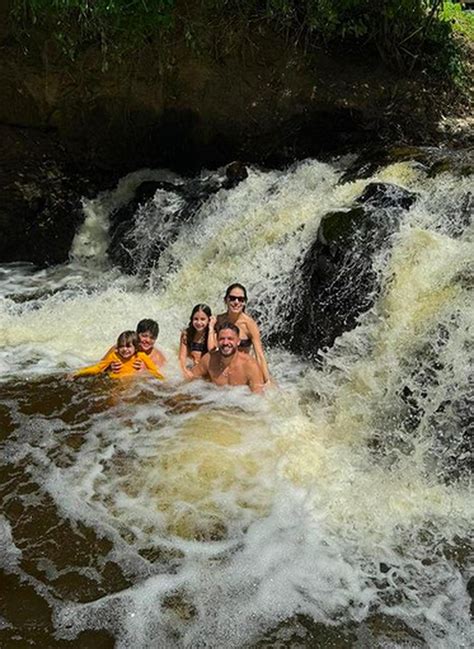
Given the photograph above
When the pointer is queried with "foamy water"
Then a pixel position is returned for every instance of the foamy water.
(225, 514)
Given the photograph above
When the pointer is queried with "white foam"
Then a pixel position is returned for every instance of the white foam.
(276, 506)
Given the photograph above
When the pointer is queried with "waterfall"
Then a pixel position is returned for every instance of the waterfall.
(335, 508)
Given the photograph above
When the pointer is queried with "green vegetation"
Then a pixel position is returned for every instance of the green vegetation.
(405, 34)
(461, 21)
(117, 25)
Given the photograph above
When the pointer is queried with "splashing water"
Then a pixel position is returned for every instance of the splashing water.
(185, 516)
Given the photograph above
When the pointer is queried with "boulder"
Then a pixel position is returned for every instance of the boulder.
(435, 160)
(339, 281)
(40, 198)
(162, 216)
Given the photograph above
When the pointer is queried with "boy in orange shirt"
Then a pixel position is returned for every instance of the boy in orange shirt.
(122, 360)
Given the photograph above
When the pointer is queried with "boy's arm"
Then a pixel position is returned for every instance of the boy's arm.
(150, 365)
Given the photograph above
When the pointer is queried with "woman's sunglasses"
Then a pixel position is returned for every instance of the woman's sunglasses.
(236, 298)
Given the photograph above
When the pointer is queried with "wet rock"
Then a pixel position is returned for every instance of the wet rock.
(385, 195)
(303, 632)
(373, 158)
(459, 162)
(122, 223)
(235, 172)
(460, 215)
(470, 592)
(428, 407)
(40, 198)
(457, 130)
(175, 205)
(380, 630)
(338, 279)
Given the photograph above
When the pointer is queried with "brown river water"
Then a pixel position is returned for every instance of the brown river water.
(168, 515)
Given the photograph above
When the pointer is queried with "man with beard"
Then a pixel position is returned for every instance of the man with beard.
(227, 365)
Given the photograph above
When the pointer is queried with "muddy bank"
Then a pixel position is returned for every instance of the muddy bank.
(255, 95)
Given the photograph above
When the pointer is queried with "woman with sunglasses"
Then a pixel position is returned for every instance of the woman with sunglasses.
(235, 300)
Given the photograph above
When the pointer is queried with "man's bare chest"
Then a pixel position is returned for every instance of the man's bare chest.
(231, 374)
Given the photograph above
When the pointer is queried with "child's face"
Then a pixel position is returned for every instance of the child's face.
(126, 351)
(146, 341)
(200, 320)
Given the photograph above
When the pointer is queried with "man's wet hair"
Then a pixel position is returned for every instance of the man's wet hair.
(127, 337)
(148, 325)
(229, 325)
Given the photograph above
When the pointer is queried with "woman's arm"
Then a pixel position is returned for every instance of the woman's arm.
(254, 376)
(254, 335)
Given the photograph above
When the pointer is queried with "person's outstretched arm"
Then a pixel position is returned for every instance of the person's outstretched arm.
(183, 354)
(255, 377)
(258, 348)
(99, 367)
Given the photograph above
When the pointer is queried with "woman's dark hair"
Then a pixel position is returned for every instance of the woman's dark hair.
(231, 288)
(190, 330)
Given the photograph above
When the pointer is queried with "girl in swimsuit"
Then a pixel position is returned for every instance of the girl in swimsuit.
(235, 300)
(198, 338)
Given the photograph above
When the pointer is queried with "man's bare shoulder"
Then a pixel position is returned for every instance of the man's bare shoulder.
(247, 360)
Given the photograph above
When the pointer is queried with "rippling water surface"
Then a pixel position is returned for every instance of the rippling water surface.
(335, 511)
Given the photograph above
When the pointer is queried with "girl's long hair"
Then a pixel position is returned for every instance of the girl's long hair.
(191, 331)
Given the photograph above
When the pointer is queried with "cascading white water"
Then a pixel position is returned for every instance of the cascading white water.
(228, 514)
(91, 242)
